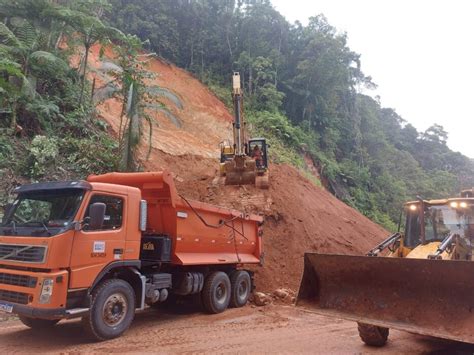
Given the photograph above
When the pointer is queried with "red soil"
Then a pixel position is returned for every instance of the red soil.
(299, 215)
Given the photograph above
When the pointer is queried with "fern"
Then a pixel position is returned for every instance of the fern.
(25, 32)
(159, 91)
(7, 37)
(162, 108)
(41, 60)
(10, 67)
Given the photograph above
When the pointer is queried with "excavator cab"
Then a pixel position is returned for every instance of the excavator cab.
(257, 149)
(423, 284)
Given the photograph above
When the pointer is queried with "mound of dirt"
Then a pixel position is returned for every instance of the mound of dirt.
(299, 215)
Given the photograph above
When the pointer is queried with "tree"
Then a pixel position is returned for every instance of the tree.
(129, 78)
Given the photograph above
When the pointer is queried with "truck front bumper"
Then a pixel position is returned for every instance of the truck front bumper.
(20, 292)
(42, 313)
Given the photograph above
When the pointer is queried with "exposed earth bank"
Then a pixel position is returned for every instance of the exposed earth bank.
(299, 215)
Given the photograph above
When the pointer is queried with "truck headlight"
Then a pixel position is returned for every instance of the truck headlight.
(46, 291)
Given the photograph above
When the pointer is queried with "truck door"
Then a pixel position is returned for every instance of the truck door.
(94, 249)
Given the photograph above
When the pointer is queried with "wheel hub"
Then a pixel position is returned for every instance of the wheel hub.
(242, 289)
(221, 293)
(115, 309)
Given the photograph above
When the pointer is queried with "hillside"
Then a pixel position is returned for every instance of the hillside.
(299, 215)
(305, 87)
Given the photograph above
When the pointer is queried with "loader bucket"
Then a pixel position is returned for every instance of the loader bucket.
(429, 297)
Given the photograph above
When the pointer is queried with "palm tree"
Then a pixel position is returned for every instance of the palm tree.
(127, 78)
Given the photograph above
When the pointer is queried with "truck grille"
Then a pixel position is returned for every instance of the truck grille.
(15, 297)
(18, 280)
(22, 253)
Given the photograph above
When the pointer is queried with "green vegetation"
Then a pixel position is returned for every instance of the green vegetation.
(48, 126)
(302, 91)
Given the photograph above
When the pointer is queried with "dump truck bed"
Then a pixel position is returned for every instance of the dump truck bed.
(429, 297)
(201, 233)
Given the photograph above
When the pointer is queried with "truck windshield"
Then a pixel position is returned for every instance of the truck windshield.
(42, 212)
(440, 221)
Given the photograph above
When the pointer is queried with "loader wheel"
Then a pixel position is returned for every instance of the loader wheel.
(241, 286)
(373, 335)
(35, 323)
(216, 292)
(112, 310)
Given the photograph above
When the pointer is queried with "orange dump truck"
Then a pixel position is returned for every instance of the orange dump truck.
(103, 248)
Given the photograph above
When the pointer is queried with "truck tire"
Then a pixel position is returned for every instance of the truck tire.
(112, 310)
(35, 323)
(373, 335)
(241, 286)
(216, 292)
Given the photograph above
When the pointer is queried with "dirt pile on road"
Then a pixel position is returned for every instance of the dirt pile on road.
(299, 215)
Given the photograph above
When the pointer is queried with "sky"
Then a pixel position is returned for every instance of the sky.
(420, 53)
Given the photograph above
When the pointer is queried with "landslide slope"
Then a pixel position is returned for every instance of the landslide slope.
(299, 215)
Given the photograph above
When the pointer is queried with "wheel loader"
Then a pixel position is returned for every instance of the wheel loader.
(245, 161)
(420, 280)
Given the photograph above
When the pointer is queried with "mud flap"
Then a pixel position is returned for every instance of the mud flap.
(429, 297)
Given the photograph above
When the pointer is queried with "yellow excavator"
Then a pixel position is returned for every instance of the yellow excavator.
(423, 283)
(245, 161)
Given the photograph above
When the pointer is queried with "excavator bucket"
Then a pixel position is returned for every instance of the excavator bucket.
(429, 297)
(240, 171)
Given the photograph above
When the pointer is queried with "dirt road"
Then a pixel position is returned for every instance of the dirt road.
(271, 329)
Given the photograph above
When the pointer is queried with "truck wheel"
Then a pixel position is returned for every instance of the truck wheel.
(373, 335)
(241, 286)
(35, 323)
(112, 310)
(216, 292)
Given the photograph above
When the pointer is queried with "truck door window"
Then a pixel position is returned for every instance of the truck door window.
(113, 211)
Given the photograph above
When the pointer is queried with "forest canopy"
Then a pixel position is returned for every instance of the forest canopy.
(303, 91)
(303, 82)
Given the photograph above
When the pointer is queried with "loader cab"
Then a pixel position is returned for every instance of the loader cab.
(258, 150)
(433, 221)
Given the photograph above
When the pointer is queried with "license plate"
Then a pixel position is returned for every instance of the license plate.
(5, 307)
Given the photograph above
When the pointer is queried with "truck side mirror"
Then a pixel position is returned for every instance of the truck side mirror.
(96, 215)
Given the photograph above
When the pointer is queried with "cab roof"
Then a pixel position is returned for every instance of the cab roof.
(443, 201)
(54, 185)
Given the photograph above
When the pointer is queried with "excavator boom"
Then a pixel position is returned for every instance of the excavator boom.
(239, 163)
(429, 297)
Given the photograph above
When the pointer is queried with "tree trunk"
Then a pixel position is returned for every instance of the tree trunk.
(279, 54)
(13, 121)
(84, 71)
(58, 41)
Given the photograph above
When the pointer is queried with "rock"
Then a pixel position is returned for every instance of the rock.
(281, 293)
(260, 299)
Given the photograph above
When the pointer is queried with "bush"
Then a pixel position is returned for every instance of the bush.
(43, 154)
